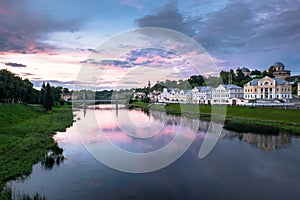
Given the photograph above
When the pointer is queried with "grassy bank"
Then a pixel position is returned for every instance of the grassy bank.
(243, 119)
(26, 135)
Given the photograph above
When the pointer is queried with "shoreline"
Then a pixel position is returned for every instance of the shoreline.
(239, 119)
(26, 135)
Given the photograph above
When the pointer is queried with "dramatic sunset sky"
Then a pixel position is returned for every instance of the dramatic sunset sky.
(45, 40)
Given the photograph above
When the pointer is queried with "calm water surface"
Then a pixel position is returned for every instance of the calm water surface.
(241, 166)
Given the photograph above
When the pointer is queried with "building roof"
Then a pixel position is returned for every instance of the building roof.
(280, 81)
(278, 64)
(245, 69)
(229, 87)
(189, 92)
(203, 88)
(253, 82)
(293, 78)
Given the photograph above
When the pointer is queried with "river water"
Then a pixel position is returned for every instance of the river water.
(240, 166)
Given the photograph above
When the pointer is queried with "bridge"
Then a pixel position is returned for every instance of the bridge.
(95, 101)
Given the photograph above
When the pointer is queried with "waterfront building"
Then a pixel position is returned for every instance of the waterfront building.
(299, 90)
(139, 95)
(202, 95)
(268, 89)
(227, 94)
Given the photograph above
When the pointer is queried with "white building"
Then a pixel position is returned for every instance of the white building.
(202, 95)
(227, 95)
(165, 95)
(299, 89)
(138, 95)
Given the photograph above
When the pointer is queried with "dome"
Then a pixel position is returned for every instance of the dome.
(278, 64)
(244, 69)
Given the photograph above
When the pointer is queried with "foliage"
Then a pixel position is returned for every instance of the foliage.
(14, 89)
(26, 136)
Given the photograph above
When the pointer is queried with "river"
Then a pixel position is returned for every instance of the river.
(240, 166)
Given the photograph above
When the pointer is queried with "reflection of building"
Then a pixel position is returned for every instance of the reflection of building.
(268, 88)
(280, 72)
(267, 143)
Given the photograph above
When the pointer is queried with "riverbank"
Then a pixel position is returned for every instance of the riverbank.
(26, 136)
(240, 119)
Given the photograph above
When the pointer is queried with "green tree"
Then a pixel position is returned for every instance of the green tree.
(256, 72)
(196, 80)
(271, 71)
(225, 76)
(48, 98)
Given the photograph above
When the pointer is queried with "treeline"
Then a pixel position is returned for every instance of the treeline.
(13, 89)
(226, 77)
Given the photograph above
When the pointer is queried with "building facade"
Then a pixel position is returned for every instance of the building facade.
(267, 89)
(299, 90)
(202, 95)
(227, 94)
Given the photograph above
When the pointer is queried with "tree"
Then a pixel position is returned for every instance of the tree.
(15, 90)
(271, 71)
(48, 99)
(225, 76)
(256, 72)
(196, 80)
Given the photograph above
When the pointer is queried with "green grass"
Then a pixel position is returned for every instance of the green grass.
(242, 119)
(26, 135)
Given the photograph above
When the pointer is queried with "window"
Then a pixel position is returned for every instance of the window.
(266, 83)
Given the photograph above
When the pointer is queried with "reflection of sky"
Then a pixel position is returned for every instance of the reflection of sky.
(135, 131)
(233, 170)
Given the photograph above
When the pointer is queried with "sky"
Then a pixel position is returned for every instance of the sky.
(59, 40)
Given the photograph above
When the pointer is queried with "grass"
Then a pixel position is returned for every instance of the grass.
(242, 119)
(26, 136)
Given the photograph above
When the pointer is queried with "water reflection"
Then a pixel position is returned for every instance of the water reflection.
(236, 161)
(53, 158)
(267, 143)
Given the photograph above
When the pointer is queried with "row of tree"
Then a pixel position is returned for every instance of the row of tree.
(226, 77)
(14, 89)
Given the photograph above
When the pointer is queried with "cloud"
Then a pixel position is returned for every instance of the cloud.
(14, 64)
(23, 29)
(167, 17)
(241, 32)
(132, 3)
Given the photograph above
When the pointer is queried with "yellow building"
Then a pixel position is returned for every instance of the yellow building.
(268, 88)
